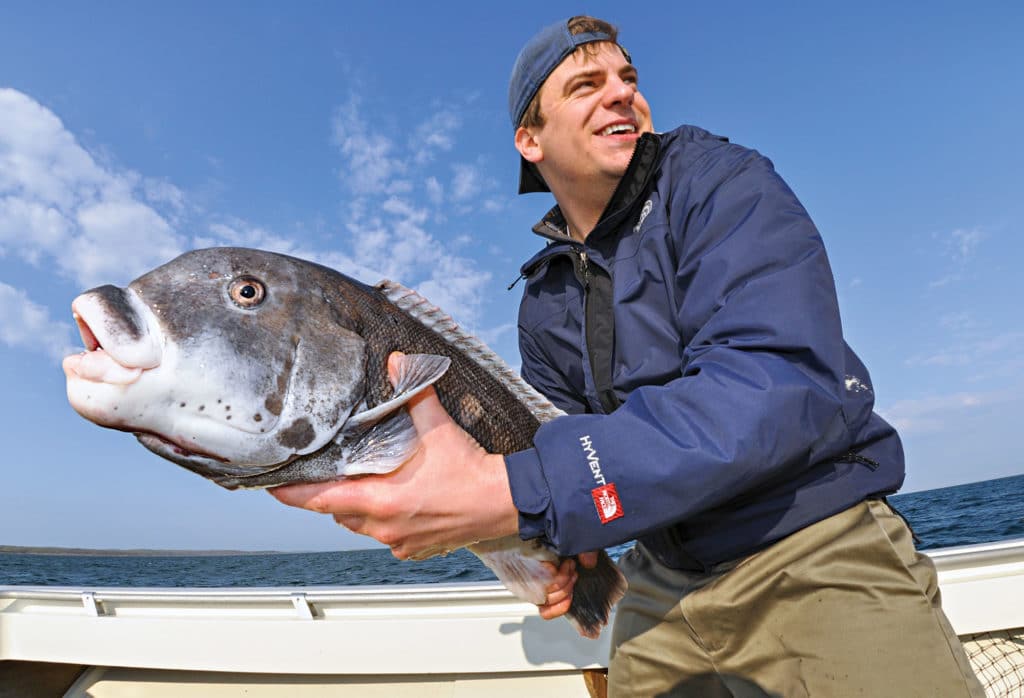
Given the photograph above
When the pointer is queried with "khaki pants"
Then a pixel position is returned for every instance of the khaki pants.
(845, 607)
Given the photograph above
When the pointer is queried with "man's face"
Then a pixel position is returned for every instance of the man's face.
(593, 116)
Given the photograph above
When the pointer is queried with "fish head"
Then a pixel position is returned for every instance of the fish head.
(227, 361)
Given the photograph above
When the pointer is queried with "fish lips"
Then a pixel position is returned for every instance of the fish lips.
(117, 322)
(122, 340)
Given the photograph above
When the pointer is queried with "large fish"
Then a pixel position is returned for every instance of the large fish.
(254, 369)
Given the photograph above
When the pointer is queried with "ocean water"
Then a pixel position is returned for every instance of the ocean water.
(974, 513)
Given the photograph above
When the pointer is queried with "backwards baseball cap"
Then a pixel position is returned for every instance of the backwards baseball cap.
(538, 59)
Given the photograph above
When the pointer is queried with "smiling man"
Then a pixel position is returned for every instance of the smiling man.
(581, 129)
(684, 314)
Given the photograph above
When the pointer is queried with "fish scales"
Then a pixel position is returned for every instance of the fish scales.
(481, 403)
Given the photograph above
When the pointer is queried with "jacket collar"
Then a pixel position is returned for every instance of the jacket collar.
(633, 183)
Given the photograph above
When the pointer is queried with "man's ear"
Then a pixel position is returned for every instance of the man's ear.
(528, 145)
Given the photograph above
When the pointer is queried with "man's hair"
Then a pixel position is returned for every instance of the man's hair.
(577, 25)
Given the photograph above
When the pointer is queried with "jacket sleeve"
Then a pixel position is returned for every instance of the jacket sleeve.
(759, 397)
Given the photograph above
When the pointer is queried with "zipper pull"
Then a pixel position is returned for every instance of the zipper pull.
(585, 268)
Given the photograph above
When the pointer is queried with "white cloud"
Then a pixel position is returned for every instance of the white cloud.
(965, 242)
(495, 205)
(369, 166)
(435, 191)
(160, 191)
(466, 182)
(491, 335)
(436, 134)
(959, 248)
(957, 322)
(58, 203)
(32, 229)
(937, 412)
(457, 285)
(115, 237)
(389, 228)
(235, 232)
(405, 210)
(970, 347)
(945, 280)
(27, 325)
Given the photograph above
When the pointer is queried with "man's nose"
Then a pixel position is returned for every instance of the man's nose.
(618, 91)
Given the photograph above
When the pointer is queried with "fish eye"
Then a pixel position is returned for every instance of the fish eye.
(247, 292)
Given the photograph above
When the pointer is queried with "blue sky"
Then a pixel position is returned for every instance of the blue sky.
(374, 137)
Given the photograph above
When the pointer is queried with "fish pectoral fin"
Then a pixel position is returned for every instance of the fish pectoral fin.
(380, 448)
(415, 373)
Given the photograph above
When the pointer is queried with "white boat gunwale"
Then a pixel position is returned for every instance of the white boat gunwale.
(424, 630)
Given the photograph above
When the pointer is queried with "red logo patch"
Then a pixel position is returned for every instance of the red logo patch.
(606, 499)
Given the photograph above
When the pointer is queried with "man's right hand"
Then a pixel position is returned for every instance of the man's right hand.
(560, 590)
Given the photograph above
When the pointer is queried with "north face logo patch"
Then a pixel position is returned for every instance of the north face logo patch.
(606, 499)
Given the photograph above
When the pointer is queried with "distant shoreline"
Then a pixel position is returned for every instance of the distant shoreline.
(132, 552)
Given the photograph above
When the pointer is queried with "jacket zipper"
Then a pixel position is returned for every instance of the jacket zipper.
(584, 272)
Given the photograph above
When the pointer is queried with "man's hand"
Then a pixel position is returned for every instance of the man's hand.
(449, 494)
(560, 590)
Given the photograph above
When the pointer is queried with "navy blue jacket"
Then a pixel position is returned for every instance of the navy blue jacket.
(695, 340)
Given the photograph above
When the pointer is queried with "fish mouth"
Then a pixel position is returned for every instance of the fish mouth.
(107, 357)
(96, 364)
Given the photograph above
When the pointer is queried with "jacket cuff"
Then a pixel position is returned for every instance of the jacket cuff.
(529, 493)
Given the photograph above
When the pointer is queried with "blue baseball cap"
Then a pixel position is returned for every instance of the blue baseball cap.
(538, 59)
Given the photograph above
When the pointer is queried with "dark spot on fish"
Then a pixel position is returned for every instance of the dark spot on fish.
(219, 401)
(273, 404)
(115, 408)
(470, 410)
(227, 407)
(229, 416)
(257, 417)
(182, 404)
(298, 435)
(202, 407)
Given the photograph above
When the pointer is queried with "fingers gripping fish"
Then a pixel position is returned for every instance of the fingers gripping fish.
(255, 369)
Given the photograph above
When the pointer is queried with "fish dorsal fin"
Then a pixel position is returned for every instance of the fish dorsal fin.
(433, 318)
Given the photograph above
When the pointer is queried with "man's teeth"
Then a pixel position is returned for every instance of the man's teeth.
(618, 128)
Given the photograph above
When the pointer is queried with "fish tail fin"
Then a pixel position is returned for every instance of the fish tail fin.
(597, 589)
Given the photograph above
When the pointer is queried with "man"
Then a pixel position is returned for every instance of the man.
(684, 313)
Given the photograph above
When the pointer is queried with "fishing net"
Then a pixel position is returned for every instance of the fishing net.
(998, 659)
